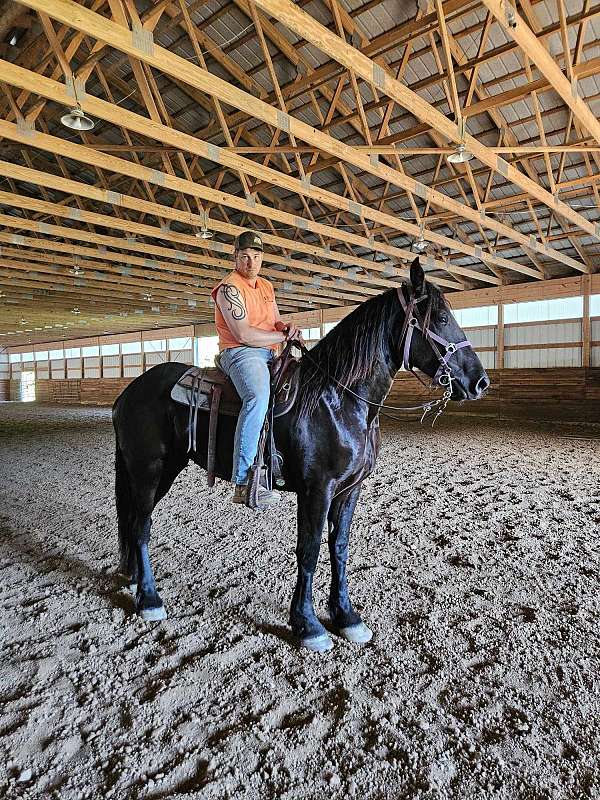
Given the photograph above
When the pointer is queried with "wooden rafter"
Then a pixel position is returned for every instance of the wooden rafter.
(323, 155)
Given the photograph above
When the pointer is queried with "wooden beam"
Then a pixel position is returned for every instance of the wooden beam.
(303, 24)
(120, 37)
(516, 27)
(86, 155)
(136, 228)
(586, 324)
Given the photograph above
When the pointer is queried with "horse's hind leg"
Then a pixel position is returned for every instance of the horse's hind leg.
(143, 493)
(127, 558)
(344, 618)
(156, 480)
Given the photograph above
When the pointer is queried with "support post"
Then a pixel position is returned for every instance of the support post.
(586, 323)
(500, 338)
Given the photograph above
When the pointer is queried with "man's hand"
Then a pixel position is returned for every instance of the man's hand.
(291, 331)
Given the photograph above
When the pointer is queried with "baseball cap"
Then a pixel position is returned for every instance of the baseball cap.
(249, 239)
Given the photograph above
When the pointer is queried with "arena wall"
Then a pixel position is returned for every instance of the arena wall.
(540, 368)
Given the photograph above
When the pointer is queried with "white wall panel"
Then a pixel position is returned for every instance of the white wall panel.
(58, 373)
(132, 372)
(155, 358)
(184, 356)
(91, 372)
(543, 334)
(42, 373)
(111, 372)
(132, 359)
(486, 337)
(91, 362)
(596, 330)
(488, 359)
(111, 361)
(74, 363)
(73, 372)
(540, 359)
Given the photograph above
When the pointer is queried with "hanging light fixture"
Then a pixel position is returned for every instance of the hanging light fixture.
(420, 244)
(76, 120)
(204, 233)
(76, 270)
(461, 154)
(75, 310)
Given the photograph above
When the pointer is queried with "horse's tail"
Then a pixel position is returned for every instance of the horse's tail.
(124, 510)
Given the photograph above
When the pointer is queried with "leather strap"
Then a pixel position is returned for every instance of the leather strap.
(412, 321)
(212, 434)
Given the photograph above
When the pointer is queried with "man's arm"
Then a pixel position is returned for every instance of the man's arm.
(232, 306)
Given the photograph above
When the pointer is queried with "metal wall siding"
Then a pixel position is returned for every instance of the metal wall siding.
(155, 358)
(541, 359)
(485, 337)
(488, 359)
(542, 334)
(184, 356)
(132, 372)
(132, 359)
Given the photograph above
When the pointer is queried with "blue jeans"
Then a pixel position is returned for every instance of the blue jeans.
(247, 368)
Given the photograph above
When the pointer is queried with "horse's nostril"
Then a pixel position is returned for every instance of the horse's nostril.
(482, 384)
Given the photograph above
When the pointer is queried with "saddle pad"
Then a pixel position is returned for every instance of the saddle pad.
(230, 400)
(182, 391)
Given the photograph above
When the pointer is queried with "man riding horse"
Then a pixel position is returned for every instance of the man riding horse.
(250, 329)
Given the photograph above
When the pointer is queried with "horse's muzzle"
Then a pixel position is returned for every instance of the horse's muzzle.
(481, 387)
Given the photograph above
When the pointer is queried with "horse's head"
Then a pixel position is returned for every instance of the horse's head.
(433, 341)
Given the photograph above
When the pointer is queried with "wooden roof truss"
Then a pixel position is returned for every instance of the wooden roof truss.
(325, 124)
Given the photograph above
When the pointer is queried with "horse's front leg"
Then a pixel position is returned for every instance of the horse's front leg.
(313, 508)
(344, 618)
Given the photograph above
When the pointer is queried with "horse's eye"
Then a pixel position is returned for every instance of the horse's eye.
(444, 319)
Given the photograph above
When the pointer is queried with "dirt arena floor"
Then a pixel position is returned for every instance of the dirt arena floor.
(475, 558)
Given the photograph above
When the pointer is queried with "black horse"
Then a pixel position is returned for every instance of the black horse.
(329, 440)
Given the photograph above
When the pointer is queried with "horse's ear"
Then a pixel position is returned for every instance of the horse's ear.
(417, 277)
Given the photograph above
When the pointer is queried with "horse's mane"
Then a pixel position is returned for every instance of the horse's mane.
(347, 353)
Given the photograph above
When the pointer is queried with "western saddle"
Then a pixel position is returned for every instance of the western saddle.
(209, 390)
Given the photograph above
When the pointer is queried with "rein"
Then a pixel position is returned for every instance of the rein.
(443, 375)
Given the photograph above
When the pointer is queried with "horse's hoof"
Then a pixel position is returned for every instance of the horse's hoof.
(357, 634)
(318, 644)
(153, 614)
(133, 588)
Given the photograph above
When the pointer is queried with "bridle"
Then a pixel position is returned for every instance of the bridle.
(443, 376)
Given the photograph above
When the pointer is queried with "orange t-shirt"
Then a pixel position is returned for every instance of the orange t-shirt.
(260, 307)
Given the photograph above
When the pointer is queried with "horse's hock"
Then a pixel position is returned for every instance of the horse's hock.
(480, 587)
